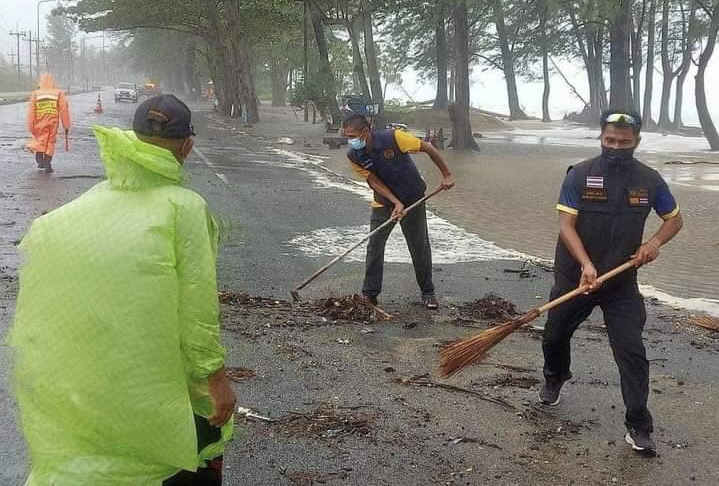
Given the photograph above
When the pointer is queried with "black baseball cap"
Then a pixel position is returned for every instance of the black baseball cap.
(163, 116)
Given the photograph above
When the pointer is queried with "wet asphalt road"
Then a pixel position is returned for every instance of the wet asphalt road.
(261, 203)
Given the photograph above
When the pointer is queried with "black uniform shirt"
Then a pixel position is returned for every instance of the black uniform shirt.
(612, 202)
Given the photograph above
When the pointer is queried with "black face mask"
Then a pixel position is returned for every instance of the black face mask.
(617, 156)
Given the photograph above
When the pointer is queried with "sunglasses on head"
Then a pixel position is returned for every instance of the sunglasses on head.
(622, 118)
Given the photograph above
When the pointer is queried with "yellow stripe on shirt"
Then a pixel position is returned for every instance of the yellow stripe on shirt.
(671, 215)
(566, 209)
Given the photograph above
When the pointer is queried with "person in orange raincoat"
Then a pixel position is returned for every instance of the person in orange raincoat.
(48, 106)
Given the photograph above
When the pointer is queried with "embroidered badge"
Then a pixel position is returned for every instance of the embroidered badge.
(638, 196)
(596, 182)
(389, 154)
(594, 194)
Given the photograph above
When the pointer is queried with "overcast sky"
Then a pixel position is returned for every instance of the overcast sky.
(488, 88)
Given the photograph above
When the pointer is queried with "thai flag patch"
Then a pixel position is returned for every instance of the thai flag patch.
(596, 182)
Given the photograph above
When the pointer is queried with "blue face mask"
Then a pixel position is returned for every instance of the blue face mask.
(357, 143)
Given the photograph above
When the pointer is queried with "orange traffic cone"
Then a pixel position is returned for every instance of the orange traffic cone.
(98, 106)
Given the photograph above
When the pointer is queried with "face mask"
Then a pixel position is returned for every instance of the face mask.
(357, 143)
(617, 156)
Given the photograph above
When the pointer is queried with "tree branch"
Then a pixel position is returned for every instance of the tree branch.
(571, 86)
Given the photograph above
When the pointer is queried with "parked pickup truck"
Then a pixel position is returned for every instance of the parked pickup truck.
(126, 91)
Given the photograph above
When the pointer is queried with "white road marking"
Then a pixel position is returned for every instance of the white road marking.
(219, 175)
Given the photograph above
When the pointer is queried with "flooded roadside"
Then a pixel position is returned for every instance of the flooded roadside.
(507, 192)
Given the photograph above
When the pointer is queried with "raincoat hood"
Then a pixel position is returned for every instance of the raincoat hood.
(131, 163)
(47, 81)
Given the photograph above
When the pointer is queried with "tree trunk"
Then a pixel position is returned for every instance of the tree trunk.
(688, 42)
(245, 98)
(597, 85)
(590, 42)
(326, 73)
(452, 84)
(278, 75)
(358, 74)
(462, 137)
(664, 122)
(546, 117)
(515, 111)
(441, 100)
(637, 34)
(710, 131)
(620, 96)
(649, 74)
(220, 57)
(250, 105)
(371, 56)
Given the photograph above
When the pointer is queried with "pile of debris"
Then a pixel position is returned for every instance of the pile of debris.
(353, 307)
(245, 300)
(239, 374)
(489, 307)
(327, 423)
(309, 479)
(509, 380)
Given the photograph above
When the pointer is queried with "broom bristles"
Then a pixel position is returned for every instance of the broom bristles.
(456, 356)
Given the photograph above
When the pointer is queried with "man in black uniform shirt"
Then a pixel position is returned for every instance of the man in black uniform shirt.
(603, 206)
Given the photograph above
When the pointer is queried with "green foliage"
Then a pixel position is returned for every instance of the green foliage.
(61, 45)
(9, 80)
(408, 27)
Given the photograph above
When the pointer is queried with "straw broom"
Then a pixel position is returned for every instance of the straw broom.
(456, 356)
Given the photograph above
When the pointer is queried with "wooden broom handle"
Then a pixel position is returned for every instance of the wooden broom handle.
(580, 290)
(364, 238)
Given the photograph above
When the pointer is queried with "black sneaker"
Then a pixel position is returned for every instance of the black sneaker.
(551, 391)
(641, 441)
(48, 168)
(430, 302)
(372, 300)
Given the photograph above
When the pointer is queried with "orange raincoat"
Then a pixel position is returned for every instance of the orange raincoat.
(48, 106)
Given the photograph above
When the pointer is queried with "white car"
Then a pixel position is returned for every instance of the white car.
(126, 91)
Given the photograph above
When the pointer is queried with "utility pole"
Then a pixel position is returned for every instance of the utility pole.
(17, 34)
(37, 42)
(29, 40)
(12, 58)
(304, 66)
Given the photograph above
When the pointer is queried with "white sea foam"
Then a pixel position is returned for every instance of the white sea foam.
(578, 136)
(450, 243)
(710, 306)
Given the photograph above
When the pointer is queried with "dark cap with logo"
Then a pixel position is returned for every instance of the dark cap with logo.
(163, 116)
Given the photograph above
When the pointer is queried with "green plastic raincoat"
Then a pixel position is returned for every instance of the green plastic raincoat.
(116, 328)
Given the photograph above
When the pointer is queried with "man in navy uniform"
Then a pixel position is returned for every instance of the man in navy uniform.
(603, 206)
(382, 158)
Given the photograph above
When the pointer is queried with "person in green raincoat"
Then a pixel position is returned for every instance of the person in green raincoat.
(118, 366)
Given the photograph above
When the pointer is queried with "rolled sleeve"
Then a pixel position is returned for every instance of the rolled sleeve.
(568, 195)
(407, 143)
